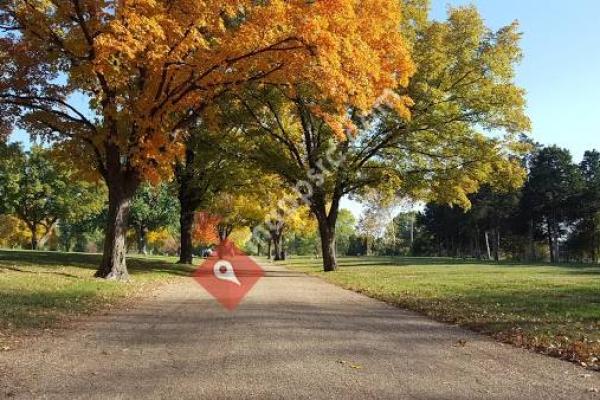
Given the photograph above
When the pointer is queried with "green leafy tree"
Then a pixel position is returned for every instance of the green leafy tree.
(41, 190)
(585, 235)
(345, 228)
(78, 232)
(550, 194)
(152, 208)
(400, 233)
(211, 166)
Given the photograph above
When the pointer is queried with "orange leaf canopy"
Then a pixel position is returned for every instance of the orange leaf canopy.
(205, 228)
(151, 66)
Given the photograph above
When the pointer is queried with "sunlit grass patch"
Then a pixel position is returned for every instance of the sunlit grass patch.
(552, 309)
(40, 289)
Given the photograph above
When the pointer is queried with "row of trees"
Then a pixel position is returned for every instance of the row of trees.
(555, 216)
(47, 205)
(248, 103)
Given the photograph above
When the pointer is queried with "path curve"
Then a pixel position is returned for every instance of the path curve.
(293, 337)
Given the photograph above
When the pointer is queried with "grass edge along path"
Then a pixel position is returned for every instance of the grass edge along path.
(553, 310)
(41, 291)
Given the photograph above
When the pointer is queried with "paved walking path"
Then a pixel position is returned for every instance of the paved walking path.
(294, 337)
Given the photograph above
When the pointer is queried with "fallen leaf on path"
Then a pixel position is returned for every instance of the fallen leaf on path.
(353, 366)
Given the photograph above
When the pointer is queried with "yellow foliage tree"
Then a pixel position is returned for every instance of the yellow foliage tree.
(241, 236)
(163, 241)
(13, 232)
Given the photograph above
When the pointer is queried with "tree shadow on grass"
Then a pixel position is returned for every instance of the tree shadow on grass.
(571, 268)
(137, 265)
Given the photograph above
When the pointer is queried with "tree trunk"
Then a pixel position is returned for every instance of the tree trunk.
(44, 239)
(328, 247)
(113, 265)
(497, 245)
(276, 233)
(186, 223)
(550, 242)
(34, 238)
(142, 240)
(282, 248)
(412, 232)
(477, 245)
(531, 237)
(277, 247)
(556, 243)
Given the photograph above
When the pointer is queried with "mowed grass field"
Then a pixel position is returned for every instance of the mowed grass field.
(551, 309)
(40, 290)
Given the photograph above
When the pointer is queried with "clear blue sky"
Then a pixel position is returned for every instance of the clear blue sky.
(561, 68)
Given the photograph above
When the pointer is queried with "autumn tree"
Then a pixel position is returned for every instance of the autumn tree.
(282, 219)
(463, 85)
(13, 232)
(41, 190)
(205, 228)
(151, 68)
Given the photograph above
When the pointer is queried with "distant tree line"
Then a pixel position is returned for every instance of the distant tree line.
(554, 217)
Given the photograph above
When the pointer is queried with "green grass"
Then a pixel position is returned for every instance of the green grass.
(552, 309)
(42, 289)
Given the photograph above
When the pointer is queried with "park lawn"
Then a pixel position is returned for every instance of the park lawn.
(40, 290)
(551, 309)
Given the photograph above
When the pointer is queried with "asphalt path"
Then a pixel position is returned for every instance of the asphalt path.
(293, 337)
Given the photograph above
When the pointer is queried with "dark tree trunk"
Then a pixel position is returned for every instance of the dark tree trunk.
(277, 238)
(191, 196)
(556, 242)
(497, 245)
(477, 244)
(113, 264)
(277, 248)
(68, 244)
(269, 250)
(592, 248)
(186, 223)
(326, 223)
(328, 247)
(225, 231)
(551, 242)
(531, 237)
(282, 248)
(34, 239)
